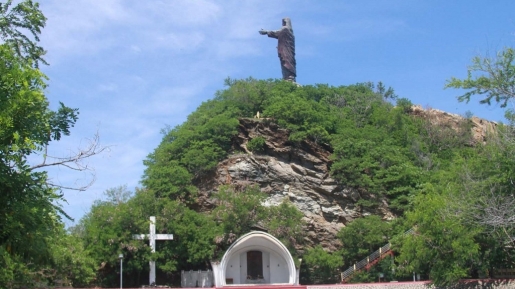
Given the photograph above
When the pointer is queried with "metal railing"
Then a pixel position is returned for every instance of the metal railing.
(370, 258)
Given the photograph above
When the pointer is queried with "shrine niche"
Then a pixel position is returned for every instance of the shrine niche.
(255, 258)
(254, 265)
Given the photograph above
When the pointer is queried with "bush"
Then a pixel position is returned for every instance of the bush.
(405, 104)
(256, 144)
(322, 266)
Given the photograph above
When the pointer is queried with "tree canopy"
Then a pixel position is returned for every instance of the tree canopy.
(377, 147)
(493, 77)
(436, 180)
(35, 249)
(456, 195)
(15, 21)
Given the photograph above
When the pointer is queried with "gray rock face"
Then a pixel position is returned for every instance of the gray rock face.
(480, 128)
(299, 174)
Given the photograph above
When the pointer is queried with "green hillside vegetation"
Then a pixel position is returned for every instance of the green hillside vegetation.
(432, 177)
(456, 195)
(377, 147)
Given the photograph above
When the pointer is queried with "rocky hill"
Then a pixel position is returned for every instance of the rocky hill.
(301, 174)
(480, 128)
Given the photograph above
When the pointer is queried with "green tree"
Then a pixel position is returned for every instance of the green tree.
(31, 205)
(108, 228)
(320, 266)
(32, 240)
(237, 212)
(487, 180)
(383, 152)
(492, 77)
(71, 264)
(168, 178)
(284, 221)
(256, 144)
(486, 185)
(248, 96)
(107, 231)
(240, 211)
(362, 237)
(443, 248)
(303, 116)
(15, 21)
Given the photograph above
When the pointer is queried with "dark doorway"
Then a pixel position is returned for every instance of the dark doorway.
(254, 265)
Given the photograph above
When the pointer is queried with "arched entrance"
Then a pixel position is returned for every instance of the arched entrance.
(255, 258)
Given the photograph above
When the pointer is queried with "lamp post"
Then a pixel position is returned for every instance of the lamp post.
(121, 270)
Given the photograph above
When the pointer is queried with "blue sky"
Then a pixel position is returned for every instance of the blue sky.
(134, 67)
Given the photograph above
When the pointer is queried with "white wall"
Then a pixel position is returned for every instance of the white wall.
(266, 266)
(233, 269)
(243, 267)
(279, 272)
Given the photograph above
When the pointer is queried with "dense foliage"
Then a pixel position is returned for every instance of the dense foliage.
(35, 249)
(378, 147)
(198, 237)
(493, 77)
(15, 21)
(454, 195)
(417, 165)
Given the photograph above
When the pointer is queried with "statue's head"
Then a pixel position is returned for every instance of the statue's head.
(287, 22)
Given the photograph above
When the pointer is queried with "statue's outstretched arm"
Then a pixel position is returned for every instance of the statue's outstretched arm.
(273, 34)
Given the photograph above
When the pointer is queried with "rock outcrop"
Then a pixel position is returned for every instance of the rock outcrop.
(480, 128)
(299, 173)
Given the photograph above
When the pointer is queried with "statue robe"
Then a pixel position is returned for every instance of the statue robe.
(286, 49)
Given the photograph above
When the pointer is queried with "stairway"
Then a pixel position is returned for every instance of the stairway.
(370, 260)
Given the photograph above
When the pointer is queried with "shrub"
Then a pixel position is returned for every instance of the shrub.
(256, 144)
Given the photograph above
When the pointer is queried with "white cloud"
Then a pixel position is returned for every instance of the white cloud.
(133, 67)
(74, 27)
(88, 27)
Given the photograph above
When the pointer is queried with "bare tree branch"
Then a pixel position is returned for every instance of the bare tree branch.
(491, 208)
(78, 188)
(496, 212)
(76, 162)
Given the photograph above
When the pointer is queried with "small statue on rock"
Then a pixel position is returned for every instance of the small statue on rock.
(285, 49)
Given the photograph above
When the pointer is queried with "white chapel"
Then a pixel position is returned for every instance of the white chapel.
(256, 258)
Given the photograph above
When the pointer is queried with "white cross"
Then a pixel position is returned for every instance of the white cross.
(152, 237)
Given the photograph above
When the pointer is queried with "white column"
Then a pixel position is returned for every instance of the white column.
(152, 244)
(217, 274)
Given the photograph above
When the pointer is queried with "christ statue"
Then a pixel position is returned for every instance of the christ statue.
(285, 49)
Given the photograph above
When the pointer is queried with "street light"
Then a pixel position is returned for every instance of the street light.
(121, 269)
